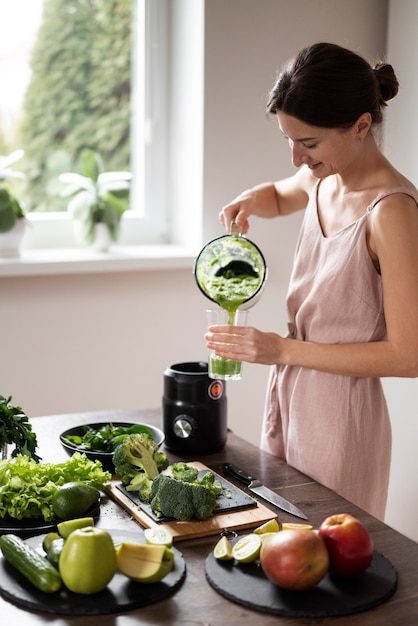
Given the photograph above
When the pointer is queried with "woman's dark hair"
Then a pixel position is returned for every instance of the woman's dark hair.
(329, 86)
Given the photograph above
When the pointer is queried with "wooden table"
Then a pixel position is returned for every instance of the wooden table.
(196, 603)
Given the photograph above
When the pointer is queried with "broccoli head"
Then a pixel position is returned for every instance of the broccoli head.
(183, 471)
(181, 500)
(137, 453)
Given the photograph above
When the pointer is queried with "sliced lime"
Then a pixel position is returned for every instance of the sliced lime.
(247, 549)
(158, 536)
(223, 550)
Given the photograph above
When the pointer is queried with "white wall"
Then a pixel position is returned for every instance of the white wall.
(87, 342)
(401, 139)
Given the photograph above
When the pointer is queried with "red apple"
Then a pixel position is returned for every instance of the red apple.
(294, 559)
(349, 544)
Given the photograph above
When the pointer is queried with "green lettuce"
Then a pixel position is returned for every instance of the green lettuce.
(27, 486)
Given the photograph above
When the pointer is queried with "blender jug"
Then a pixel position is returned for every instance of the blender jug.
(231, 271)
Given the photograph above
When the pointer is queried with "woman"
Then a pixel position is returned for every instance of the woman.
(353, 293)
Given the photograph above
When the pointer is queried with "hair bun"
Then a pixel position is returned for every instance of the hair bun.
(387, 80)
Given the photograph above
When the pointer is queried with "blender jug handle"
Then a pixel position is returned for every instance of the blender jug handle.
(235, 230)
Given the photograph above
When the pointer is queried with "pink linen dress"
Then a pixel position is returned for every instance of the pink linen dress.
(334, 428)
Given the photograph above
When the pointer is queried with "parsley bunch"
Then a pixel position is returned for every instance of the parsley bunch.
(15, 429)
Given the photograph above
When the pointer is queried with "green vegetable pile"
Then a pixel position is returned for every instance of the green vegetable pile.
(15, 429)
(27, 487)
(105, 438)
(184, 494)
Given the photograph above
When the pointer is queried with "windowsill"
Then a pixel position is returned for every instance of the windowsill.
(83, 261)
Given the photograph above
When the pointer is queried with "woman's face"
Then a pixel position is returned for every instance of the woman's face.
(325, 151)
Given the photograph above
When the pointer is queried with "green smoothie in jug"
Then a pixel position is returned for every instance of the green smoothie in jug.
(231, 290)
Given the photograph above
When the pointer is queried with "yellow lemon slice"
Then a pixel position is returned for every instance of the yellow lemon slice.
(247, 549)
(296, 526)
(223, 550)
(272, 526)
(159, 536)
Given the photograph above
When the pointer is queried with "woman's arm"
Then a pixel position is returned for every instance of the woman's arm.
(394, 240)
(269, 200)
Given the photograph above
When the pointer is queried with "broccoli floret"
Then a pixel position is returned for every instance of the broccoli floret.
(143, 485)
(137, 453)
(209, 481)
(181, 500)
(161, 460)
(184, 472)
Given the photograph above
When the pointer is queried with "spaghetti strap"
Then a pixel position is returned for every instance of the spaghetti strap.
(390, 192)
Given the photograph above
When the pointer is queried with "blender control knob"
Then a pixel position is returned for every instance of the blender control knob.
(183, 426)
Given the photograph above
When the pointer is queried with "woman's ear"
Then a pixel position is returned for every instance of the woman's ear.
(362, 126)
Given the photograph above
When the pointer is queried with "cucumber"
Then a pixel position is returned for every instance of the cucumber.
(36, 568)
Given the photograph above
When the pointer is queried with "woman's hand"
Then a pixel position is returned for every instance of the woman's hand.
(244, 343)
(239, 211)
(261, 201)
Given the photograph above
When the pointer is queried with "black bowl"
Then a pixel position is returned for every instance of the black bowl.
(106, 458)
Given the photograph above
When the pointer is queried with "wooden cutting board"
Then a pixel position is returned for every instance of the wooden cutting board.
(233, 520)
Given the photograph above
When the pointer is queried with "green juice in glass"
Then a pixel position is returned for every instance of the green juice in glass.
(229, 291)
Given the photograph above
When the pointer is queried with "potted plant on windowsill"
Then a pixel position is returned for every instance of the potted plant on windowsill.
(12, 216)
(98, 200)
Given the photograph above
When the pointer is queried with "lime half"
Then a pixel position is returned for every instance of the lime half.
(159, 536)
(247, 549)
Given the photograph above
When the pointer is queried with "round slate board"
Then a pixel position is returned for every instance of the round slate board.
(247, 585)
(28, 527)
(120, 595)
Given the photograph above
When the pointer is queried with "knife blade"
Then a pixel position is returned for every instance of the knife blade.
(255, 486)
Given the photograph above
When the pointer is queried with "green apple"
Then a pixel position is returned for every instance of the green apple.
(88, 560)
(144, 563)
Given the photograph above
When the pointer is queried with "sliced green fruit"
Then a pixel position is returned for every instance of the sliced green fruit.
(144, 563)
(66, 528)
(48, 539)
(271, 526)
(223, 550)
(247, 549)
(158, 536)
(74, 499)
(54, 551)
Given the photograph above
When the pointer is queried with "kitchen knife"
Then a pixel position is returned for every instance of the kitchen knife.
(256, 487)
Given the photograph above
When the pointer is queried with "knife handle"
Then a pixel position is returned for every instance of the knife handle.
(238, 473)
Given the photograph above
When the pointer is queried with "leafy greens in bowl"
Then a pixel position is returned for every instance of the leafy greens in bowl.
(98, 441)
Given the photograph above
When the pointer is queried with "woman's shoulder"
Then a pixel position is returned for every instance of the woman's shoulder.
(402, 194)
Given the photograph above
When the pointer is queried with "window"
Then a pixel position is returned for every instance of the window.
(154, 23)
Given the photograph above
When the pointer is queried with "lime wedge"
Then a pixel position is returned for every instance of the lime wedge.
(247, 549)
(159, 536)
(223, 550)
(272, 526)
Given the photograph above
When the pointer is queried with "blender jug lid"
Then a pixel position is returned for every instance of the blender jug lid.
(230, 270)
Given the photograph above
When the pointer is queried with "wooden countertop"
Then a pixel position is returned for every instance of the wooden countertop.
(196, 603)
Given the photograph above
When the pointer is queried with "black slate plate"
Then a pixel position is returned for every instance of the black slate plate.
(247, 585)
(35, 526)
(231, 499)
(120, 595)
